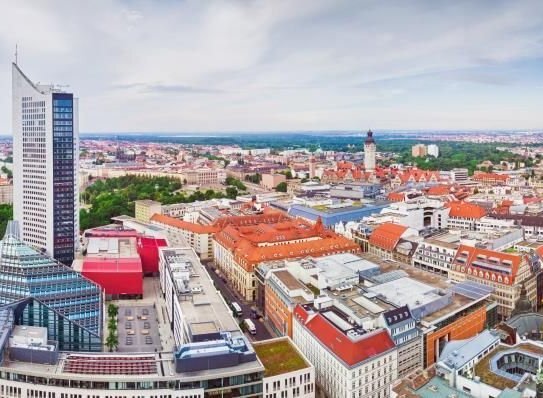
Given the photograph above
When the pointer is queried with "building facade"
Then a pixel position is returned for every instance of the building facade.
(348, 362)
(145, 209)
(46, 152)
(43, 292)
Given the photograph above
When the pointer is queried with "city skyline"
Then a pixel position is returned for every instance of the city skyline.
(233, 66)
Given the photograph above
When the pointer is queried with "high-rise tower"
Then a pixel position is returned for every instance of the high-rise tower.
(45, 158)
(369, 152)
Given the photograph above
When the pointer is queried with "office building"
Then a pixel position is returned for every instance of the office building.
(43, 292)
(459, 175)
(46, 152)
(350, 360)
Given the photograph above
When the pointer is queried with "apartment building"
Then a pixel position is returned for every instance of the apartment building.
(349, 361)
(434, 256)
(505, 273)
(402, 327)
(197, 236)
(282, 293)
(145, 209)
(288, 373)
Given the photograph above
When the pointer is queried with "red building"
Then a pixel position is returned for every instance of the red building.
(114, 263)
(118, 277)
(148, 251)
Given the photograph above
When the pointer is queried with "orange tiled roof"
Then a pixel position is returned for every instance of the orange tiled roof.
(487, 264)
(267, 217)
(439, 190)
(386, 236)
(466, 210)
(396, 196)
(480, 176)
(177, 223)
(251, 245)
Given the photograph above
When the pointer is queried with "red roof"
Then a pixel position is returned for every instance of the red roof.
(396, 196)
(351, 352)
(189, 226)
(480, 176)
(439, 190)
(466, 210)
(387, 235)
(481, 262)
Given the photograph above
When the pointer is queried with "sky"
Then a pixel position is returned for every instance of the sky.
(289, 65)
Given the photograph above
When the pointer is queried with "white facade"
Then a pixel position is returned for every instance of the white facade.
(433, 150)
(369, 379)
(297, 384)
(434, 256)
(419, 213)
(35, 177)
(459, 175)
(9, 388)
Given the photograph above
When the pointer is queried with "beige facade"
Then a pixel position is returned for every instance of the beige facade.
(203, 176)
(145, 209)
(419, 150)
(270, 181)
(505, 295)
(6, 193)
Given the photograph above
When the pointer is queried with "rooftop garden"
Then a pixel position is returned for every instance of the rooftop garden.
(279, 357)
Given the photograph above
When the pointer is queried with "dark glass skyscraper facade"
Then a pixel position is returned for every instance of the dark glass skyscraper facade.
(63, 177)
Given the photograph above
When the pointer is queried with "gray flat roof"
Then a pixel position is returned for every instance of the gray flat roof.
(207, 305)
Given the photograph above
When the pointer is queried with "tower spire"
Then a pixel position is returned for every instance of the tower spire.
(16, 53)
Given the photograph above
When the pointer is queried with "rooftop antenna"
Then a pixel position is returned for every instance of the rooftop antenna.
(16, 54)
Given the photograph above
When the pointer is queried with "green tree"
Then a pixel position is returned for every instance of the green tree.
(231, 192)
(7, 171)
(112, 310)
(112, 341)
(281, 187)
(231, 181)
(6, 214)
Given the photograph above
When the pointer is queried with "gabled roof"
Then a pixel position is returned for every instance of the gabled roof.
(396, 196)
(397, 315)
(387, 235)
(466, 210)
(487, 264)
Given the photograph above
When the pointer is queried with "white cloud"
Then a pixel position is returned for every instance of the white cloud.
(266, 65)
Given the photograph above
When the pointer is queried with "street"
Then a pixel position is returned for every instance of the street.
(262, 331)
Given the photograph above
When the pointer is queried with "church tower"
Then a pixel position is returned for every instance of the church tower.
(312, 167)
(369, 152)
